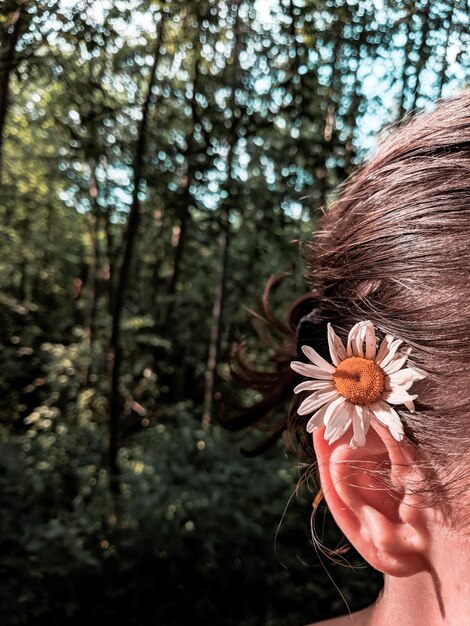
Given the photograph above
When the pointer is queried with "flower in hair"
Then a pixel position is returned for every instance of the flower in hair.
(361, 384)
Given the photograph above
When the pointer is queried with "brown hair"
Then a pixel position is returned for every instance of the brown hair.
(394, 248)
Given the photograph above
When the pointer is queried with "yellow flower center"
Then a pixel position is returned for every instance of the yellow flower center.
(359, 380)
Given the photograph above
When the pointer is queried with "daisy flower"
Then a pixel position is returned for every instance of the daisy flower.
(362, 383)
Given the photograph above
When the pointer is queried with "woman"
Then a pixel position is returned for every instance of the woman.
(378, 353)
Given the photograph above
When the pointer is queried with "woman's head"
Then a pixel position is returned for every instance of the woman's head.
(394, 248)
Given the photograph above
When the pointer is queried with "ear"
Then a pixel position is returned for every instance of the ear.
(385, 525)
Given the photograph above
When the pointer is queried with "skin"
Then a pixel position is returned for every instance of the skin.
(361, 618)
(425, 561)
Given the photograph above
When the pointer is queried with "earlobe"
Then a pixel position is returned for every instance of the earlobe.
(365, 491)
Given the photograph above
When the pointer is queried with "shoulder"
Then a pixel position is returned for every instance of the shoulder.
(360, 618)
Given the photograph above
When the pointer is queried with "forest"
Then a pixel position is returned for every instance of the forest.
(160, 161)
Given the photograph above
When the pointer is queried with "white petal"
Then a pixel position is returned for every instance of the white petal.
(418, 374)
(360, 426)
(403, 378)
(332, 408)
(397, 397)
(357, 344)
(336, 421)
(339, 422)
(315, 401)
(317, 360)
(337, 349)
(351, 349)
(388, 416)
(390, 353)
(311, 385)
(346, 420)
(306, 369)
(316, 420)
(383, 349)
(339, 432)
(404, 386)
(410, 406)
(367, 416)
(371, 346)
(397, 435)
(395, 365)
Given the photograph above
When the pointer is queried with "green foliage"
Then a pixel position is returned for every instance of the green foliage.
(197, 533)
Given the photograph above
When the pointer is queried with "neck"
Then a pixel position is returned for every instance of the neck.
(440, 596)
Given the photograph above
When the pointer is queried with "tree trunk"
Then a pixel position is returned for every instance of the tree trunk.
(331, 104)
(406, 65)
(185, 202)
(423, 51)
(115, 348)
(93, 278)
(294, 68)
(355, 96)
(221, 287)
(442, 72)
(321, 173)
(216, 331)
(10, 36)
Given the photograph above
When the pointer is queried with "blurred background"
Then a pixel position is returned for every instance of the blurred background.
(159, 161)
